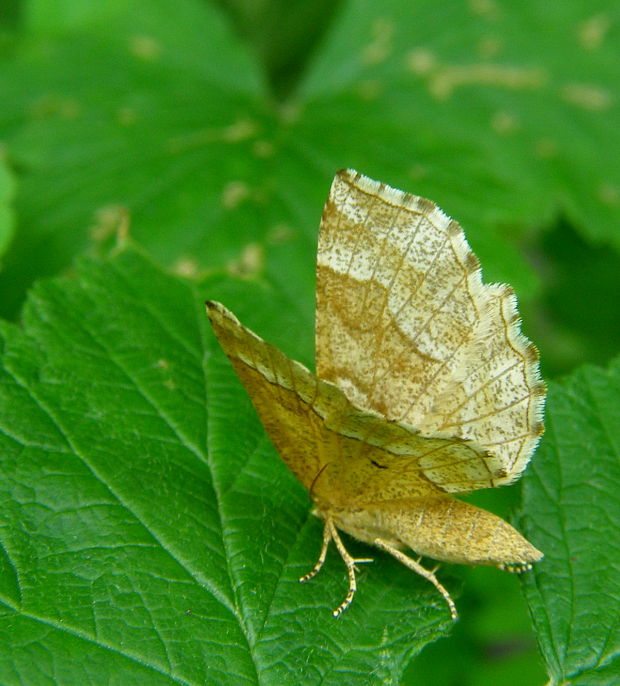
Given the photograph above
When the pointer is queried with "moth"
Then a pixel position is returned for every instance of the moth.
(424, 387)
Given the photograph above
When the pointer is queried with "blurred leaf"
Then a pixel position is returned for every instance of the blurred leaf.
(564, 323)
(7, 215)
(571, 508)
(501, 114)
(284, 34)
(10, 17)
(123, 107)
(515, 103)
(150, 532)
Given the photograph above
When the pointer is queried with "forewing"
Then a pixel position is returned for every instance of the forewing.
(342, 454)
(405, 326)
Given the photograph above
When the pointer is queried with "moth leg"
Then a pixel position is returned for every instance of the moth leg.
(327, 537)
(417, 567)
(330, 532)
(349, 562)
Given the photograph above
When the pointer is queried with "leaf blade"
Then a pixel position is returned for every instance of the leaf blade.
(572, 491)
(149, 518)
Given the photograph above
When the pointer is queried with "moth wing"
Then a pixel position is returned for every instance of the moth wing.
(340, 453)
(405, 326)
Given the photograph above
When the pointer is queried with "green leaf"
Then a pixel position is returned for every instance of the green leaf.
(7, 218)
(153, 111)
(506, 102)
(504, 115)
(284, 35)
(571, 508)
(159, 109)
(150, 532)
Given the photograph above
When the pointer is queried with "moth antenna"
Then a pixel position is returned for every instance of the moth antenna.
(316, 478)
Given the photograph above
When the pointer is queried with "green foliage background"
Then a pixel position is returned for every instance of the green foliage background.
(157, 154)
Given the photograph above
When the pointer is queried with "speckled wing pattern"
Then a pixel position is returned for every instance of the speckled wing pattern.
(406, 328)
(317, 430)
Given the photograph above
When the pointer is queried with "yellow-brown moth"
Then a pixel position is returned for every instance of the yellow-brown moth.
(424, 387)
